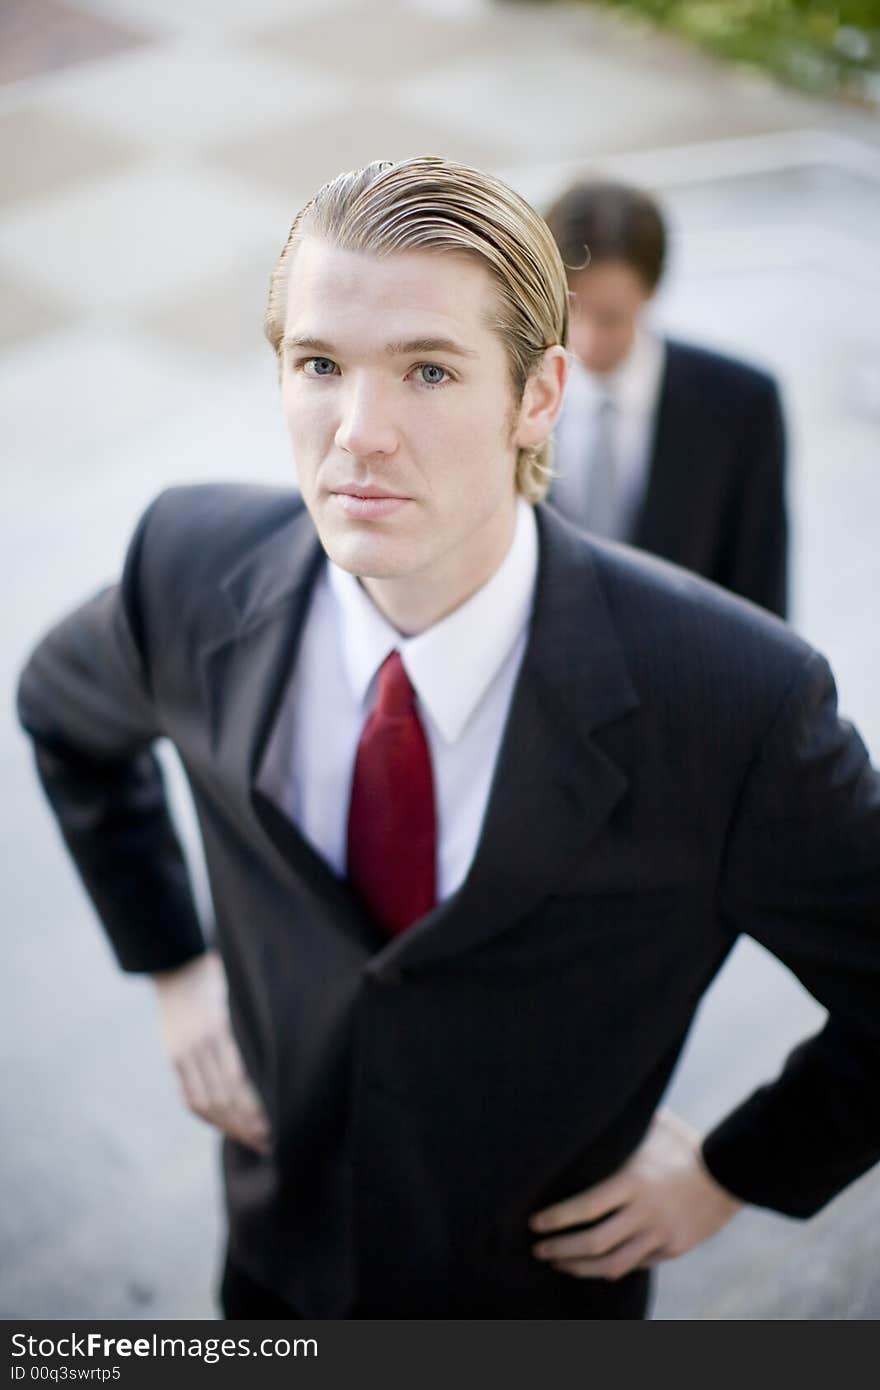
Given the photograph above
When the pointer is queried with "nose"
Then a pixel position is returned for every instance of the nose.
(367, 425)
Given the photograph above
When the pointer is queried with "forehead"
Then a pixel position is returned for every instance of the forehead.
(405, 294)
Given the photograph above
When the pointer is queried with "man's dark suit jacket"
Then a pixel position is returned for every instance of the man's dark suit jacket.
(673, 772)
(715, 495)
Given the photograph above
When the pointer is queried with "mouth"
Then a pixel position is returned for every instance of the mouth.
(365, 500)
(366, 490)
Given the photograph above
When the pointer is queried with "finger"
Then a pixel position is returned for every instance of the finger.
(207, 1059)
(590, 1205)
(250, 1106)
(638, 1253)
(236, 1107)
(222, 1065)
(259, 1143)
(249, 1135)
(237, 1084)
(598, 1240)
(195, 1093)
(243, 1126)
(218, 1091)
(656, 1257)
(209, 1084)
(247, 1114)
(229, 1058)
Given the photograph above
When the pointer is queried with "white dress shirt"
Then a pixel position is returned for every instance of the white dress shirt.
(633, 389)
(463, 670)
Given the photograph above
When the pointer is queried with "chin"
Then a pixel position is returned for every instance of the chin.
(368, 556)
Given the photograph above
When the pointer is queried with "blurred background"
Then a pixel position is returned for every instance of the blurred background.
(153, 156)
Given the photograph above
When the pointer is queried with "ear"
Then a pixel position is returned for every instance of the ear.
(542, 399)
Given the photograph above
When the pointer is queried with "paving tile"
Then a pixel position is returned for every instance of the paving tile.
(205, 17)
(221, 320)
(40, 153)
(40, 36)
(24, 315)
(549, 104)
(380, 42)
(834, 197)
(824, 1269)
(140, 238)
(229, 425)
(81, 385)
(208, 93)
(346, 140)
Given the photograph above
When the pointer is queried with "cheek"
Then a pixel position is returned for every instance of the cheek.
(472, 434)
(307, 419)
(289, 408)
(477, 460)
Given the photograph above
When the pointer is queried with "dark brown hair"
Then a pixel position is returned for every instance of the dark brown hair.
(595, 222)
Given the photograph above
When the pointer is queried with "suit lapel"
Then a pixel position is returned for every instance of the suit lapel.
(245, 666)
(553, 787)
(246, 671)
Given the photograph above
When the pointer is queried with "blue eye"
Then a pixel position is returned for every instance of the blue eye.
(321, 366)
(432, 375)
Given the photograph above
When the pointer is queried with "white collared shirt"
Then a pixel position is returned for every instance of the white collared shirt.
(463, 670)
(634, 390)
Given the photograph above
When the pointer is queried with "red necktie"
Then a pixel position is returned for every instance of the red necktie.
(392, 832)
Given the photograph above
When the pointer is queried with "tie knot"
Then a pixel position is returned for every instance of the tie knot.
(396, 695)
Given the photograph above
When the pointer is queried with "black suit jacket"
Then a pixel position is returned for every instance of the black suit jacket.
(673, 772)
(715, 495)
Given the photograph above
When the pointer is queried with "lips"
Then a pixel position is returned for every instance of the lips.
(369, 491)
(363, 503)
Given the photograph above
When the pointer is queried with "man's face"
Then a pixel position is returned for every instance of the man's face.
(607, 301)
(400, 409)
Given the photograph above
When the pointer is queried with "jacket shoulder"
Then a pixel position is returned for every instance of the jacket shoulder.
(717, 372)
(683, 634)
(189, 540)
(205, 528)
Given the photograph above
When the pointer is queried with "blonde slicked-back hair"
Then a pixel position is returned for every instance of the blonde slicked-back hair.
(433, 204)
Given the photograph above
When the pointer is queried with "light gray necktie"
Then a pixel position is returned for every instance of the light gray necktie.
(602, 503)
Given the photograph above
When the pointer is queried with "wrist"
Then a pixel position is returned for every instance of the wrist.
(725, 1199)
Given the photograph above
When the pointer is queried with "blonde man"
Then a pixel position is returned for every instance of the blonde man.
(484, 804)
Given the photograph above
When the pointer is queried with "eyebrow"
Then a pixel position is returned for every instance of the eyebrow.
(401, 349)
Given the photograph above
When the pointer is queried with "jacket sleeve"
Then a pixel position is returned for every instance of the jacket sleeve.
(802, 876)
(85, 699)
(756, 566)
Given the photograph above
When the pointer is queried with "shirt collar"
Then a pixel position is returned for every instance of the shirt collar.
(452, 664)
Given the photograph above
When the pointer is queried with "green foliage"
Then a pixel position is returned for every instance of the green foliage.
(813, 44)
